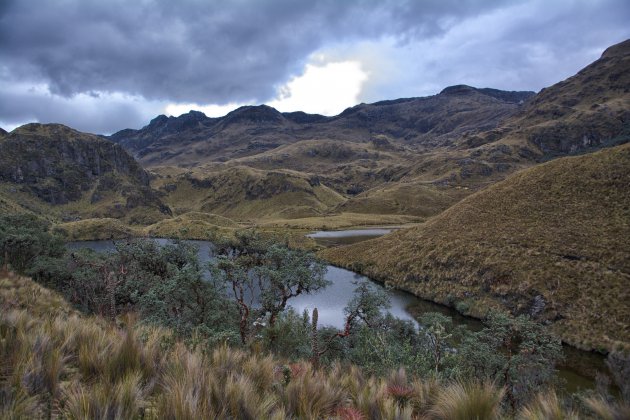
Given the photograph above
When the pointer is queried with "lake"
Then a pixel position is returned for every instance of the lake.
(347, 237)
(577, 370)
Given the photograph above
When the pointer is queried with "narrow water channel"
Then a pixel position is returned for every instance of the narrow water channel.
(578, 370)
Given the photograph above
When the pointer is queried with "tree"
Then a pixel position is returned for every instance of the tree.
(364, 309)
(287, 273)
(437, 334)
(515, 352)
(24, 239)
(263, 277)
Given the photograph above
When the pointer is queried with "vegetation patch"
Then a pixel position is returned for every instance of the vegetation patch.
(552, 241)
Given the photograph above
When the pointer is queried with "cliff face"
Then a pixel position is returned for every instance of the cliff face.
(61, 166)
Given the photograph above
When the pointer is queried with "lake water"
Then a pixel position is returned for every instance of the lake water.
(347, 237)
(329, 302)
(577, 370)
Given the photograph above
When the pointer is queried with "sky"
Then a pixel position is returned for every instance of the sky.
(102, 66)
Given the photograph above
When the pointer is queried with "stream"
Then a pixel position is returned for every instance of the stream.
(578, 369)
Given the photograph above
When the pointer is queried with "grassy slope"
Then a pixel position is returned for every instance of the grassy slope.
(560, 230)
(62, 364)
(242, 193)
(57, 363)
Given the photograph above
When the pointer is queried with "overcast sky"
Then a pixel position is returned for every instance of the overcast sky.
(104, 65)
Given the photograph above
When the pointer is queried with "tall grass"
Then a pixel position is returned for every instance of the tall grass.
(547, 406)
(468, 401)
(59, 364)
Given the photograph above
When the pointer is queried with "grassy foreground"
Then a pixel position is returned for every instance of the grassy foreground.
(552, 241)
(57, 363)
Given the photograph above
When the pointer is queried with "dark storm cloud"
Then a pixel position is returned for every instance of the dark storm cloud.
(109, 64)
(197, 51)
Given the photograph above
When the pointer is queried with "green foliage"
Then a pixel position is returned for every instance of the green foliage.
(263, 277)
(290, 336)
(25, 242)
(515, 352)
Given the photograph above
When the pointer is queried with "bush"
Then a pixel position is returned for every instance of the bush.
(25, 239)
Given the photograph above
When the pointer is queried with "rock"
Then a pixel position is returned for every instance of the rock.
(537, 306)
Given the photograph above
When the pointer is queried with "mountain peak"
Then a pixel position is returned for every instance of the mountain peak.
(458, 90)
(618, 50)
(255, 114)
(503, 95)
(47, 129)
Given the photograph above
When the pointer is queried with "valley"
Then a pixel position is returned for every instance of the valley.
(487, 222)
(315, 210)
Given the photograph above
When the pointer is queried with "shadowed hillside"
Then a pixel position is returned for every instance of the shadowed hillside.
(582, 113)
(421, 122)
(62, 173)
(552, 241)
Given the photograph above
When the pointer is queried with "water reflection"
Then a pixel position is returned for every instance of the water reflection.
(577, 370)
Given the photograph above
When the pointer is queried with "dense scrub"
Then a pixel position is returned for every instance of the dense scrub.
(177, 340)
(58, 363)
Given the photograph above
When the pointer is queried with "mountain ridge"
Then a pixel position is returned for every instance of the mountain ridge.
(350, 125)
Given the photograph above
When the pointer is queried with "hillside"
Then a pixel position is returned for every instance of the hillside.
(421, 122)
(552, 241)
(64, 174)
(241, 192)
(582, 113)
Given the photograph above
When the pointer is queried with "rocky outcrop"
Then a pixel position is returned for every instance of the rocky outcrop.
(60, 165)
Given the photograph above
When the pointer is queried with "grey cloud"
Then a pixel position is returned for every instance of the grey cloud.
(524, 47)
(242, 51)
(197, 51)
(102, 115)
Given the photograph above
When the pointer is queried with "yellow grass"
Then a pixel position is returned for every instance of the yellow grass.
(559, 231)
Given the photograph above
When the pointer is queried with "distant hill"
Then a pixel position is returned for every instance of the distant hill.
(244, 193)
(62, 173)
(552, 241)
(193, 138)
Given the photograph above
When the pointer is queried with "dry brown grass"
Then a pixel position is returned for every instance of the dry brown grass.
(57, 363)
(96, 229)
(560, 231)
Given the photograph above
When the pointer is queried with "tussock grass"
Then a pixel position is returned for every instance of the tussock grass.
(60, 364)
(468, 401)
(608, 411)
(547, 406)
(553, 240)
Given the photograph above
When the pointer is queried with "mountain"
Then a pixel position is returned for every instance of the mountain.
(582, 113)
(408, 156)
(192, 138)
(62, 173)
(552, 241)
(365, 147)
